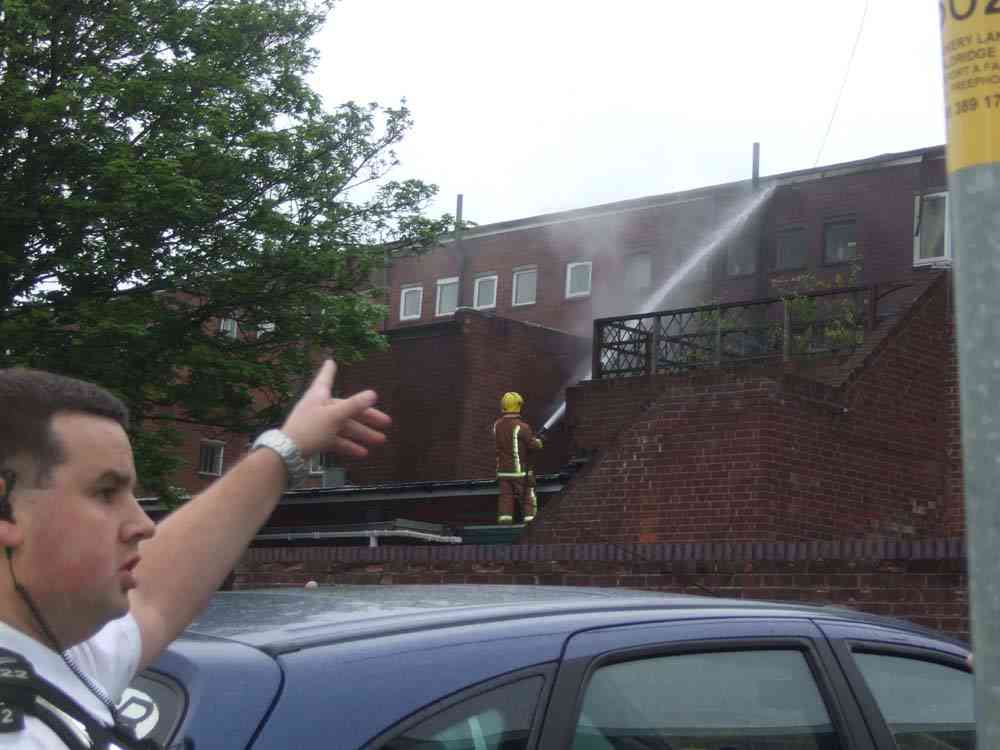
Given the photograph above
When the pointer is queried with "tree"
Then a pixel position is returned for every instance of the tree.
(163, 165)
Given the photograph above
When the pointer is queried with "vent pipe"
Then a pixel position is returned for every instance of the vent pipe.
(460, 302)
(756, 165)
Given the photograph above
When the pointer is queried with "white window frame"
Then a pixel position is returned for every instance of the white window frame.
(515, 274)
(569, 271)
(319, 462)
(217, 462)
(229, 327)
(917, 208)
(322, 465)
(419, 288)
(496, 291)
(437, 297)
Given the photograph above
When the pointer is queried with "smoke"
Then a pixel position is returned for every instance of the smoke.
(700, 225)
(733, 229)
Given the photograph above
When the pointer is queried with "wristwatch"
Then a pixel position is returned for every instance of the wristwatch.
(290, 454)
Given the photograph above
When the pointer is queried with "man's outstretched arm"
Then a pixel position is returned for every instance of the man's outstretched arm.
(197, 545)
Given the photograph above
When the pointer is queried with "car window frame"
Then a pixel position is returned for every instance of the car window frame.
(566, 700)
(546, 671)
(843, 650)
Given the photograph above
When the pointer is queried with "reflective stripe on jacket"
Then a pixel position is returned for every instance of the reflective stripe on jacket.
(515, 443)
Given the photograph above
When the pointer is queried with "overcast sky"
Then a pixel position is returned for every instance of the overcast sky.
(533, 106)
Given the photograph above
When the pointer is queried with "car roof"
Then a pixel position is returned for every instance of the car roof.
(286, 619)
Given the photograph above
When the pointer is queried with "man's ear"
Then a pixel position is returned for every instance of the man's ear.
(7, 480)
(10, 533)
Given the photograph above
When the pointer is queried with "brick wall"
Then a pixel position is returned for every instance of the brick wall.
(887, 467)
(924, 582)
(188, 476)
(420, 381)
(443, 382)
(757, 454)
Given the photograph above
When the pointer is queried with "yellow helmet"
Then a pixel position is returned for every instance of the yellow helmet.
(511, 403)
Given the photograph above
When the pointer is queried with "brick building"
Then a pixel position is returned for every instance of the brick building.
(850, 442)
(884, 216)
(511, 306)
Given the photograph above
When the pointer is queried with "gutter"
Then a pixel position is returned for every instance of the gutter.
(373, 535)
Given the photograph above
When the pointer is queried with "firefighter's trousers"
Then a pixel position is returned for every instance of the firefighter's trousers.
(516, 491)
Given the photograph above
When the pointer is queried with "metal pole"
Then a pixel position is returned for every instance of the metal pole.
(718, 336)
(654, 345)
(755, 174)
(872, 316)
(786, 328)
(595, 362)
(460, 302)
(970, 34)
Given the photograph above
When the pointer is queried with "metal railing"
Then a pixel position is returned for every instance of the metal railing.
(800, 325)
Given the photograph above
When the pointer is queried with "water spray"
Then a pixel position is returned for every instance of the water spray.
(736, 224)
(556, 416)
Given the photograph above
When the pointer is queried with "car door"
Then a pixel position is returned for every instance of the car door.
(915, 691)
(714, 684)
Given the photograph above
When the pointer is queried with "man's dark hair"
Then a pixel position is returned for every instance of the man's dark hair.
(28, 401)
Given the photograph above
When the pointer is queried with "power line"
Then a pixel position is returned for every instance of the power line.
(843, 84)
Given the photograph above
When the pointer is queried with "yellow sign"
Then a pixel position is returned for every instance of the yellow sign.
(970, 38)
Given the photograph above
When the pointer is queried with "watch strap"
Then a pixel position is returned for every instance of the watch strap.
(291, 456)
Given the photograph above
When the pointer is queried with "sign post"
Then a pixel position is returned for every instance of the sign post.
(970, 36)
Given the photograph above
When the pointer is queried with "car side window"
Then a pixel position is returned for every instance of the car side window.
(925, 704)
(710, 701)
(499, 719)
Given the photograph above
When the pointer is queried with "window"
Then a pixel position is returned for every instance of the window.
(210, 458)
(638, 273)
(228, 327)
(741, 259)
(738, 699)
(525, 286)
(447, 296)
(578, 279)
(317, 463)
(931, 233)
(924, 704)
(790, 249)
(411, 299)
(840, 241)
(486, 292)
(499, 719)
(325, 465)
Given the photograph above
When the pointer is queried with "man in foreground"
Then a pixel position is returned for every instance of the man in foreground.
(91, 591)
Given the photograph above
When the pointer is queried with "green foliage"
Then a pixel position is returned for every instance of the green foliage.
(826, 323)
(163, 164)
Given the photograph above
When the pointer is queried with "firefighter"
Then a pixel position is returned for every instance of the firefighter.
(515, 445)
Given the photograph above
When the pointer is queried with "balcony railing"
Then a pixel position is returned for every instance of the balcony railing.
(780, 328)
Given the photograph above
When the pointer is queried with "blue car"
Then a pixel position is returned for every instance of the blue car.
(514, 667)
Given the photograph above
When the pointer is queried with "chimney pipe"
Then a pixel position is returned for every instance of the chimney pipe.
(460, 302)
(756, 165)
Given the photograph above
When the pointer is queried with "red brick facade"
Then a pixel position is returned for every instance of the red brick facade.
(743, 480)
(878, 194)
(442, 383)
(442, 376)
(758, 454)
(924, 582)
